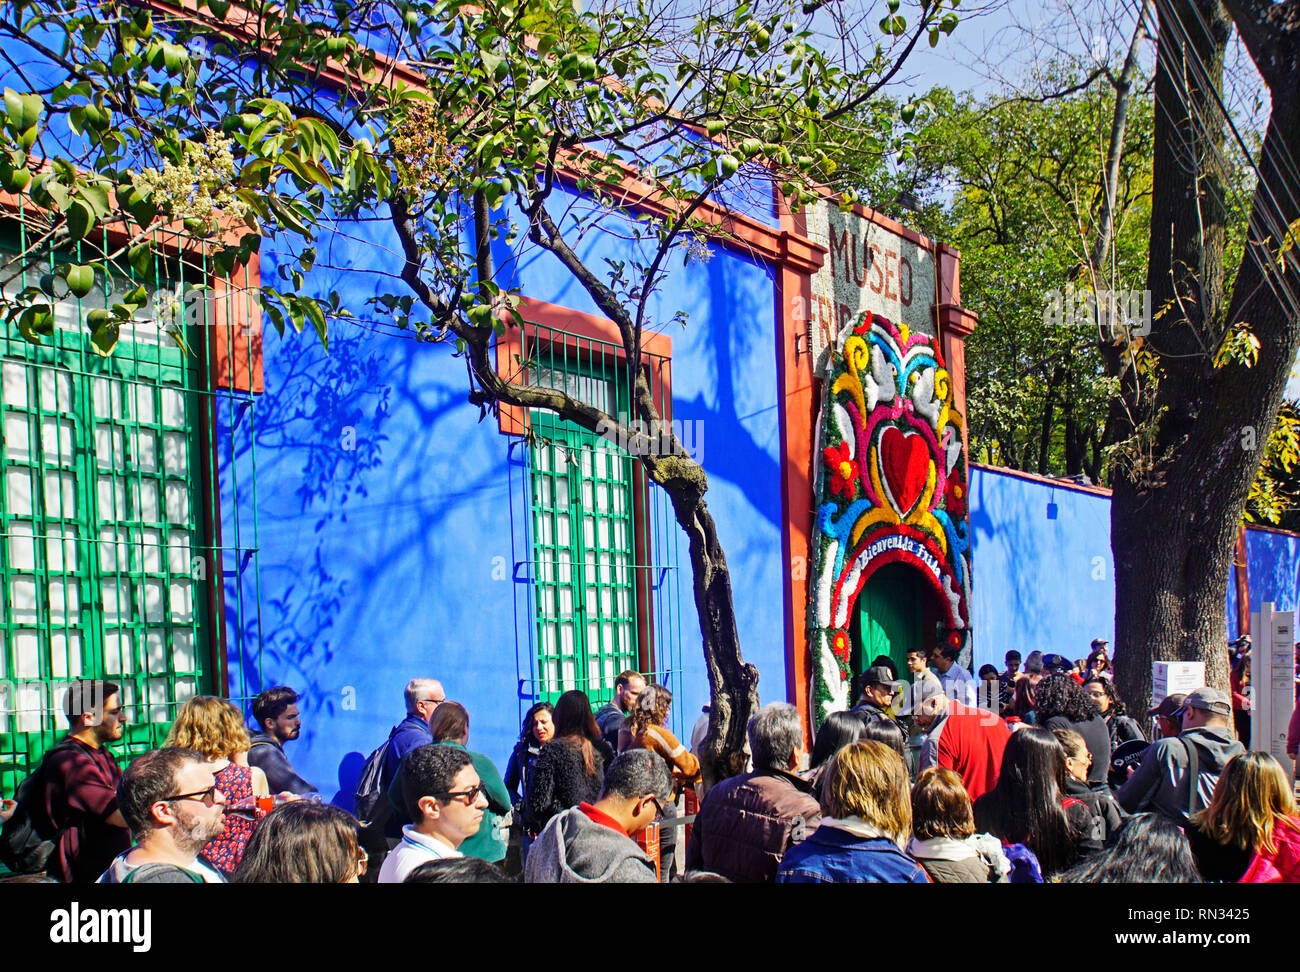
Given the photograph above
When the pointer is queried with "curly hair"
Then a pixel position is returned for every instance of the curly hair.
(1117, 706)
(1061, 695)
(651, 709)
(210, 725)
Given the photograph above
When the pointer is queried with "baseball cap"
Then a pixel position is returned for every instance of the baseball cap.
(878, 675)
(1099, 643)
(1168, 706)
(1057, 663)
(1208, 700)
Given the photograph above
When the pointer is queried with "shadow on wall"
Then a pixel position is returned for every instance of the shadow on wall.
(326, 412)
(350, 768)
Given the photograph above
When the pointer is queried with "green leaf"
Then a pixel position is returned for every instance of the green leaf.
(36, 322)
(81, 280)
(142, 208)
(79, 219)
(494, 64)
(24, 110)
(220, 8)
(104, 337)
(137, 297)
(728, 164)
(318, 321)
(140, 257)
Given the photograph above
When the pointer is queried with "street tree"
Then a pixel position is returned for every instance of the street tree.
(1200, 394)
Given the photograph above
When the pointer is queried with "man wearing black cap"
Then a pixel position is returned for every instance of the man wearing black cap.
(878, 690)
(1165, 714)
(1177, 775)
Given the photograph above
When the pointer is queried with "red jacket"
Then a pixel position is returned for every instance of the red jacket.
(971, 743)
(1282, 867)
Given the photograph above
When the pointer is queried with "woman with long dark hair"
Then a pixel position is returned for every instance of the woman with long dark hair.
(537, 730)
(1149, 849)
(1098, 664)
(1121, 726)
(1063, 704)
(1250, 822)
(839, 730)
(571, 767)
(1028, 806)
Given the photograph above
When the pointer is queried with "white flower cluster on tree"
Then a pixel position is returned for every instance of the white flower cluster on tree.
(204, 182)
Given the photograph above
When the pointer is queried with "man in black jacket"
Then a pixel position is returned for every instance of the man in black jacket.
(276, 712)
(878, 690)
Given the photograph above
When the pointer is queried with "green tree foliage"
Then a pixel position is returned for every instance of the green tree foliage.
(1015, 183)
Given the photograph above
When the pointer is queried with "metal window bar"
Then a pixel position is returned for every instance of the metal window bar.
(591, 596)
(103, 527)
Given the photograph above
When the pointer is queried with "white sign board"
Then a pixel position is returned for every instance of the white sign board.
(1272, 681)
(867, 267)
(1170, 678)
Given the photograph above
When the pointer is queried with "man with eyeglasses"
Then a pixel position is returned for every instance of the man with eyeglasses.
(76, 801)
(170, 800)
(446, 799)
(592, 842)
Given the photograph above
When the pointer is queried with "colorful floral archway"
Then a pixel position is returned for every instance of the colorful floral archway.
(891, 488)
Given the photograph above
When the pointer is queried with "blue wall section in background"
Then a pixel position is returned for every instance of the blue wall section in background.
(1039, 584)
(383, 523)
(1273, 569)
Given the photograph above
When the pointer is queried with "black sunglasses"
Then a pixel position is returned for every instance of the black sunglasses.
(467, 796)
(208, 797)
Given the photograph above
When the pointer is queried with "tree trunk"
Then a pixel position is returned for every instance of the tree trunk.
(1174, 520)
(733, 683)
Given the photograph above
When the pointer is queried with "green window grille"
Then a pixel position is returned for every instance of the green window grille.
(583, 539)
(104, 551)
(600, 575)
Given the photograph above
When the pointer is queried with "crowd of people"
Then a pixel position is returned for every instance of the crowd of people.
(1034, 774)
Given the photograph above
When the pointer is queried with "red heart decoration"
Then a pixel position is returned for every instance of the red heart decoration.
(905, 461)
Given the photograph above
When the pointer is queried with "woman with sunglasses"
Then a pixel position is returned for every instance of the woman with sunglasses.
(303, 842)
(215, 728)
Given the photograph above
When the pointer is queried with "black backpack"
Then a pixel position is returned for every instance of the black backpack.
(371, 806)
(26, 845)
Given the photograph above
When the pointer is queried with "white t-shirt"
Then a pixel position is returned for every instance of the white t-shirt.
(959, 684)
(415, 849)
(119, 870)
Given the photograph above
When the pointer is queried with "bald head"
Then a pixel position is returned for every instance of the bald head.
(928, 710)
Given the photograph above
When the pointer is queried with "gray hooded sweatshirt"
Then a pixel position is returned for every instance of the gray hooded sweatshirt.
(1161, 783)
(574, 849)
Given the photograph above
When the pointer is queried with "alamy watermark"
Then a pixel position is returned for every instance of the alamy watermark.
(1107, 310)
(659, 438)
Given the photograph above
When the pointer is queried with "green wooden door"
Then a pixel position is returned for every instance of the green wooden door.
(889, 617)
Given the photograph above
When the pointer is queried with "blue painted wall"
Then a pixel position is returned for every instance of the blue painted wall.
(390, 556)
(1039, 584)
(1048, 584)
